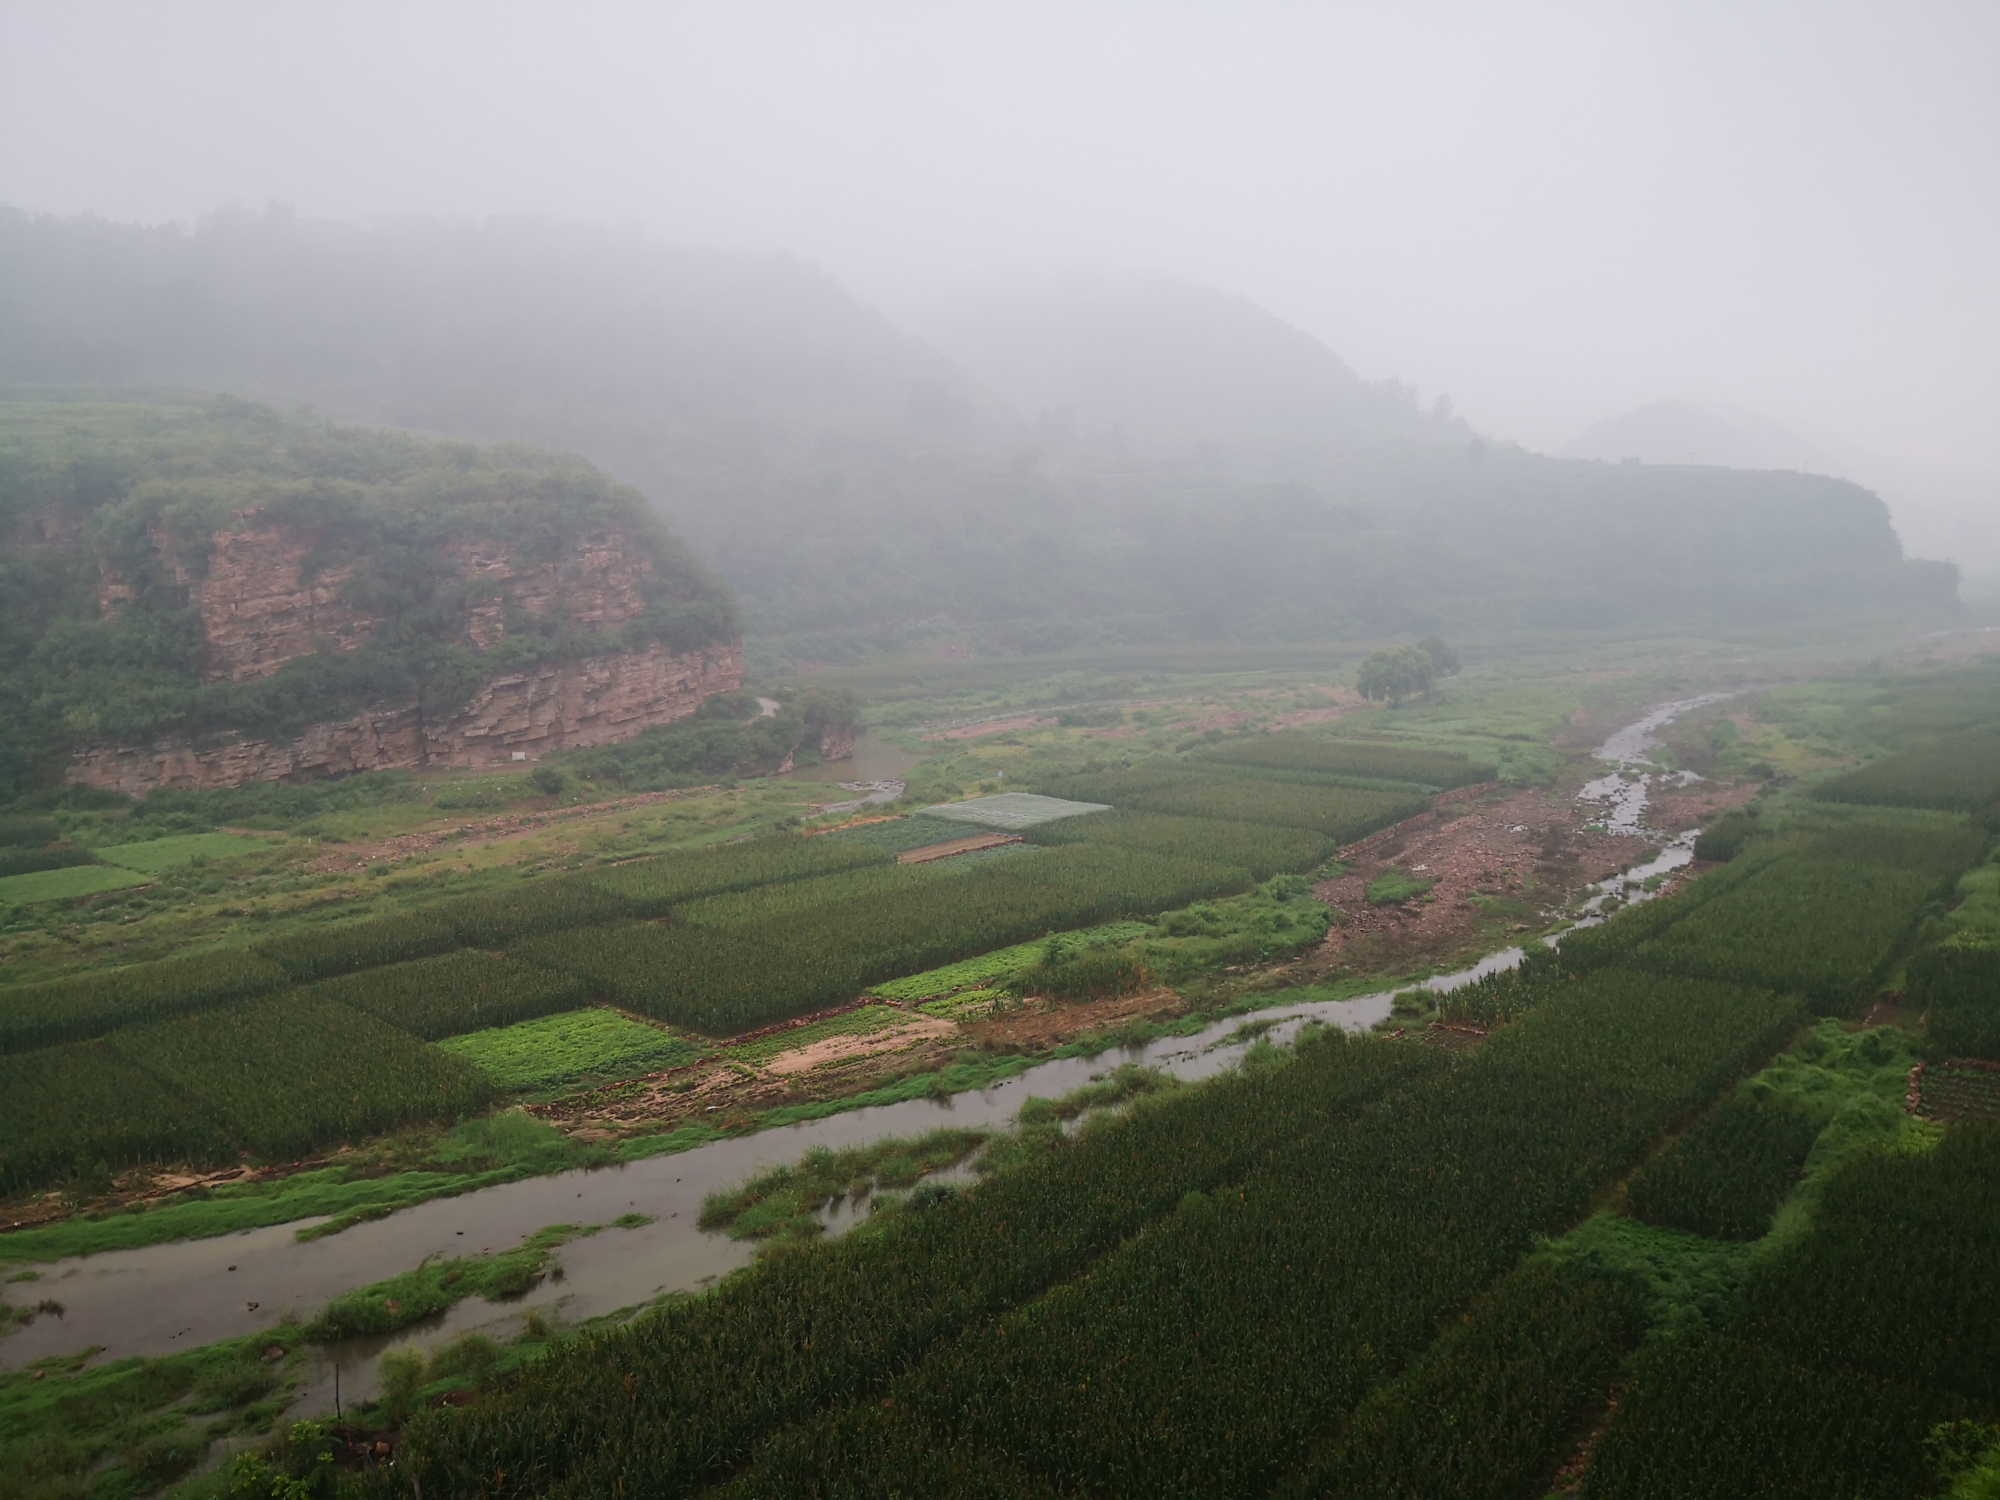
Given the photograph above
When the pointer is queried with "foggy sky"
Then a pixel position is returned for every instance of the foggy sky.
(1549, 212)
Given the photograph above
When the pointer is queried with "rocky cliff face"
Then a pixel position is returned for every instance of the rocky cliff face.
(594, 700)
(262, 604)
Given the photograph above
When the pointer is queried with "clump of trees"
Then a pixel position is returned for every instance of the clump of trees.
(1398, 673)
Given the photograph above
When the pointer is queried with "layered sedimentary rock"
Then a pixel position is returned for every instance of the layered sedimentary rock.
(264, 600)
(593, 700)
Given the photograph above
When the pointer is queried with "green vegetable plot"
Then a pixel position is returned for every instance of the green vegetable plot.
(537, 1054)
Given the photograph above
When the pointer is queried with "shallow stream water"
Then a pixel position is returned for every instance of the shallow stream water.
(165, 1298)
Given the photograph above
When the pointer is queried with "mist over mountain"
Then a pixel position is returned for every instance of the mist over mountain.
(508, 327)
(1168, 362)
(1684, 432)
(1937, 512)
(1090, 460)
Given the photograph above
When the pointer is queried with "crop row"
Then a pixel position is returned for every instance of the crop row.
(1844, 1348)
(1819, 928)
(644, 887)
(1167, 1367)
(536, 905)
(1727, 1176)
(288, 1072)
(89, 1005)
(1488, 1411)
(453, 993)
(1929, 843)
(683, 1395)
(1292, 751)
(70, 1109)
(1711, 1413)
(790, 958)
(1167, 1370)
(1960, 772)
(1264, 849)
(1341, 814)
(1957, 987)
(887, 884)
(667, 879)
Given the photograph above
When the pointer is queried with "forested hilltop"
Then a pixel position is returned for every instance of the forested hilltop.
(211, 572)
(863, 493)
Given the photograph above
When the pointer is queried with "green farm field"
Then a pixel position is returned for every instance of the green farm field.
(1591, 1068)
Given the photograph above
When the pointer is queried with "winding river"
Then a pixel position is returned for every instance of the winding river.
(165, 1298)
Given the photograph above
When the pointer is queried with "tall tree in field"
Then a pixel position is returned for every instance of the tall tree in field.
(1444, 660)
(1396, 673)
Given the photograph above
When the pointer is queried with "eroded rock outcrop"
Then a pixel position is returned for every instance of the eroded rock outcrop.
(593, 700)
(265, 598)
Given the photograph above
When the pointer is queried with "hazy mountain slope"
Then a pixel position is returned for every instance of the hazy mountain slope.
(511, 327)
(1937, 512)
(1218, 474)
(1684, 432)
(1161, 361)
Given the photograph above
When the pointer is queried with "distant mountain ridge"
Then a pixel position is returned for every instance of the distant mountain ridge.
(1686, 432)
(1161, 462)
(1169, 362)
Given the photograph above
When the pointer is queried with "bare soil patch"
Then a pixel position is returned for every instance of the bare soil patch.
(949, 847)
(918, 1028)
(1675, 809)
(1039, 1025)
(1499, 859)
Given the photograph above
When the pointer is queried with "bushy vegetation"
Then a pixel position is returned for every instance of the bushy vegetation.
(89, 1005)
(453, 993)
(1394, 887)
(288, 1072)
(973, 973)
(80, 1109)
(125, 1427)
(730, 735)
(1291, 750)
(1726, 1177)
(1281, 916)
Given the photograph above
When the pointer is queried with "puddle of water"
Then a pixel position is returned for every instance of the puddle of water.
(166, 1298)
